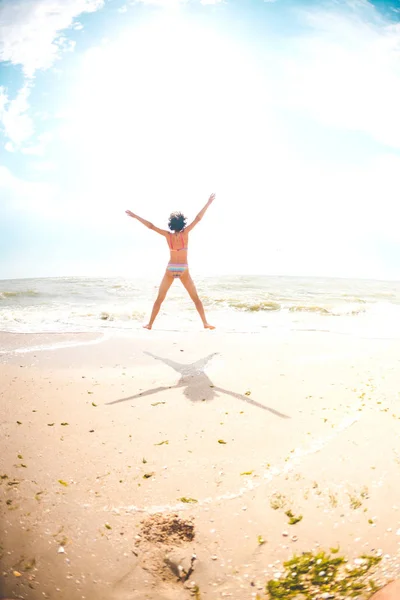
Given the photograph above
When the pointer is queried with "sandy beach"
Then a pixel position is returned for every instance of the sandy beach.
(128, 460)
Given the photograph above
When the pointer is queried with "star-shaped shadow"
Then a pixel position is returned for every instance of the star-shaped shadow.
(196, 385)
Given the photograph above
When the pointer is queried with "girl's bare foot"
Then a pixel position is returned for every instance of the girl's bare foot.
(207, 326)
(146, 326)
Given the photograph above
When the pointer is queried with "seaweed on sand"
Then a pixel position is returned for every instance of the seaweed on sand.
(310, 575)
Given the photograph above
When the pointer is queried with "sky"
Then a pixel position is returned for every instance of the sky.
(287, 109)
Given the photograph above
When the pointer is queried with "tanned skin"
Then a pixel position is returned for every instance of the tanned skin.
(177, 257)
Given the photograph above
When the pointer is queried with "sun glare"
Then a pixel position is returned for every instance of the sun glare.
(170, 104)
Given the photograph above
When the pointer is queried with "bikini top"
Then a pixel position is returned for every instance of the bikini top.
(176, 249)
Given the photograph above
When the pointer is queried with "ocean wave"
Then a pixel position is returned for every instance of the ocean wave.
(310, 309)
(248, 306)
(131, 316)
(256, 306)
(45, 319)
(20, 293)
(344, 310)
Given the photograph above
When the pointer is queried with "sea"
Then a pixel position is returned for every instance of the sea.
(251, 304)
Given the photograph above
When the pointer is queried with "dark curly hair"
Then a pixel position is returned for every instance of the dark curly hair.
(177, 221)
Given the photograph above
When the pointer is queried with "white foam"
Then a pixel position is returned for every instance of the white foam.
(300, 453)
(58, 345)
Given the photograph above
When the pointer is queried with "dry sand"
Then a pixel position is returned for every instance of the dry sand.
(133, 464)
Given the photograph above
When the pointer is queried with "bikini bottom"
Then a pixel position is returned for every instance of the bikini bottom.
(176, 269)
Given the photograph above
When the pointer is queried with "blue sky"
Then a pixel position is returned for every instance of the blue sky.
(288, 110)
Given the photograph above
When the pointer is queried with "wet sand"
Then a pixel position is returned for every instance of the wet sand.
(102, 444)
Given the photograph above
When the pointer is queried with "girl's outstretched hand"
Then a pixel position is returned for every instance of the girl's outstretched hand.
(211, 198)
(129, 213)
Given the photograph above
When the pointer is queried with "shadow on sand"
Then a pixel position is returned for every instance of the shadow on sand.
(196, 385)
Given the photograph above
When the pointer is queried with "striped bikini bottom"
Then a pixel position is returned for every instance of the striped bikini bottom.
(177, 268)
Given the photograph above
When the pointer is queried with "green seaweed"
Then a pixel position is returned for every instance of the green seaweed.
(309, 575)
(277, 501)
(195, 592)
(354, 502)
(247, 473)
(292, 518)
(333, 501)
(161, 443)
(260, 540)
(221, 442)
(188, 500)
(64, 483)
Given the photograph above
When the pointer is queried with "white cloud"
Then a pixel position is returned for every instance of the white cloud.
(30, 30)
(31, 37)
(28, 195)
(39, 148)
(346, 72)
(16, 123)
(207, 2)
(162, 3)
(43, 166)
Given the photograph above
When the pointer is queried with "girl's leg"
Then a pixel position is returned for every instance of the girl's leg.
(191, 288)
(162, 292)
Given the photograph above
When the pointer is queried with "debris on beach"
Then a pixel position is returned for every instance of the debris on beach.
(292, 518)
(320, 575)
(260, 540)
(165, 529)
(162, 548)
(278, 501)
(182, 568)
